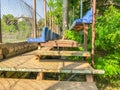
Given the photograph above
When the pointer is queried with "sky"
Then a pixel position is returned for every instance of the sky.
(18, 8)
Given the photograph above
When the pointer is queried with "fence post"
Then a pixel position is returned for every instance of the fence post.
(93, 31)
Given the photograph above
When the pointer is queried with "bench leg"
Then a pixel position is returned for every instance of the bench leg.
(39, 46)
(40, 76)
(89, 78)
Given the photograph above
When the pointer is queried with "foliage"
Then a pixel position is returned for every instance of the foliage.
(76, 36)
(40, 24)
(107, 41)
(9, 23)
(56, 11)
(108, 30)
(9, 19)
(110, 64)
(15, 27)
(73, 35)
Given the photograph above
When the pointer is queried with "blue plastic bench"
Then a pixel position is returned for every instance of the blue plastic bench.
(52, 37)
(85, 19)
(44, 36)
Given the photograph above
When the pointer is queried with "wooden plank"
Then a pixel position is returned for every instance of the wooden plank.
(47, 44)
(89, 78)
(1, 56)
(78, 27)
(25, 84)
(85, 36)
(28, 63)
(42, 49)
(61, 43)
(46, 48)
(1, 51)
(80, 71)
(40, 76)
(65, 53)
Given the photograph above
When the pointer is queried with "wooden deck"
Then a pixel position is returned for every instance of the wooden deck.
(24, 84)
(28, 63)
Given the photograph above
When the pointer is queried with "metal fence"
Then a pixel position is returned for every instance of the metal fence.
(17, 19)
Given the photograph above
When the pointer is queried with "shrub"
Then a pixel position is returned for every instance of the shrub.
(107, 43)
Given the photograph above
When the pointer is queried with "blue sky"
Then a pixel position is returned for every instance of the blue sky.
(18, 8)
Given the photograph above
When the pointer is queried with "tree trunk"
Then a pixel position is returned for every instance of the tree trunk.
(65, 15)
(0, 25)
(45, 15)
(0, 32)
(34, 17)
(93, 31)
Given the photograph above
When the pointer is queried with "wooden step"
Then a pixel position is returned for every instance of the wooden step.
(28, 63)
(25, 84)
(61, 43)
(64, 53)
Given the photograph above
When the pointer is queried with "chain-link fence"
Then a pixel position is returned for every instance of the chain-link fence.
(17, 19)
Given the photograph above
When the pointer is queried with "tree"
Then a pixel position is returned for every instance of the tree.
(65, 14)
(9, 23)
(9, 19)
(56, 11)
(40, 24)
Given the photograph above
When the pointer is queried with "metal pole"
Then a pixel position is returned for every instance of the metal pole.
(45, 15)
(81, 8)
(50, 20)
(73, 13)
(0, 24)
(93, 31)
(34, 18)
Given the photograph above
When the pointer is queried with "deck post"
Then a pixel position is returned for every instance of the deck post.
(89, 77)
(40, 76)
(39, 46)
(93, 31)
(85, 36)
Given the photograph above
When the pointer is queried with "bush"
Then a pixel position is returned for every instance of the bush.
(108, 30)
(74, 35)
(107, 41)
(110, 64)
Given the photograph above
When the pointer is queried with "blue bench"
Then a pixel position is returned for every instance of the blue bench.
(85, 19)
(45, 36)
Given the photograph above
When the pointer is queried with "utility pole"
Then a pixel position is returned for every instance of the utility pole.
(0, 24)
(45, 15)
(93, 31)
(34, 18)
